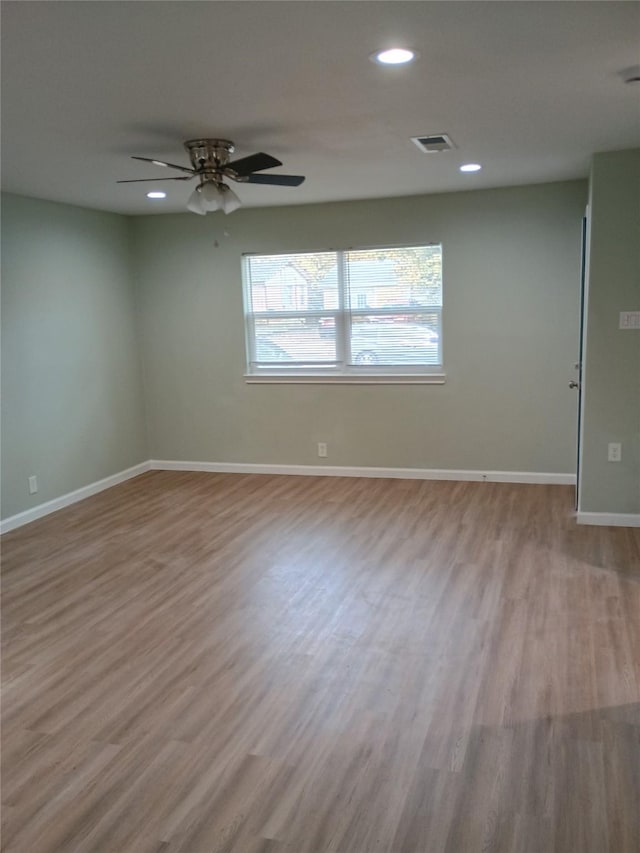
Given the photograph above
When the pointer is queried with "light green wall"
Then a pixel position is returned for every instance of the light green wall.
(612, 362)
(72, 396)
(72, 410)
(511, 294)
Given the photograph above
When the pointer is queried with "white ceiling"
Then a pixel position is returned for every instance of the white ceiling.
(529, 89)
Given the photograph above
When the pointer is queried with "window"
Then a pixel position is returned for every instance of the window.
(351, 313)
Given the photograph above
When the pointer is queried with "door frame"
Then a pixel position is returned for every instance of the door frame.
(584, 312)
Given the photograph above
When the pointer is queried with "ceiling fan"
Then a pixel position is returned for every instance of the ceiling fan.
(211, 164)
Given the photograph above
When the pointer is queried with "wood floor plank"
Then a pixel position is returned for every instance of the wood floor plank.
(218, 663)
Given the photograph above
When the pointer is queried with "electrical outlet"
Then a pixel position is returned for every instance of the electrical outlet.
(615, 452)
(322, 449)
(33, 484)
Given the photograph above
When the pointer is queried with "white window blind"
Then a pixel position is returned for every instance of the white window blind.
(345, 312)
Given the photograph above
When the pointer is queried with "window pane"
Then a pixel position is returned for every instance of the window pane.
(391, 279)
(396, 339)
(306, 282)
(344, 310)
(302, 339)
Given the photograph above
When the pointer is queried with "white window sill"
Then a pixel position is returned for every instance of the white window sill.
(345, 378)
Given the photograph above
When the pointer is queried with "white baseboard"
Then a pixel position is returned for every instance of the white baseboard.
(348, 471)
(71, 498)
(596, 518)
(609, 519)
(303, 470)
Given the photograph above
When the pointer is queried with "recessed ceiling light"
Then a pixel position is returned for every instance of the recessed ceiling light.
(156, 194)
(394, 56)
(471, 167)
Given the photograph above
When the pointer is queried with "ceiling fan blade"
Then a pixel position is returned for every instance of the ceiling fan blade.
(253, 163)
(155, 180)
(276, 180)
(162, 163)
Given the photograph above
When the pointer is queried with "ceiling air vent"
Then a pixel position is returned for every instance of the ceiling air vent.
(434, 142)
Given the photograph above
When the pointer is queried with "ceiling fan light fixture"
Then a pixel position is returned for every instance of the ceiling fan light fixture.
(210, 196)
(195, 202)
(230, 200)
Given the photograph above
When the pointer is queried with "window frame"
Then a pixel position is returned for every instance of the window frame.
(338, 371)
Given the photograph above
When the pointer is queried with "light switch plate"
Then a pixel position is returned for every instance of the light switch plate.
(630, 319)
(614, 452)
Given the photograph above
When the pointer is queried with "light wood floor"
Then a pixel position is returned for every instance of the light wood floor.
(203, 662)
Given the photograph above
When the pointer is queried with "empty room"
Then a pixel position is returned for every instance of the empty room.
(320, 427)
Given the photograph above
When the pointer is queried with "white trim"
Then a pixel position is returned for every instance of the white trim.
(41, 510)
(583, 349)
(348, 471)
(71, 497)
(345, 378)
(609, 519)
